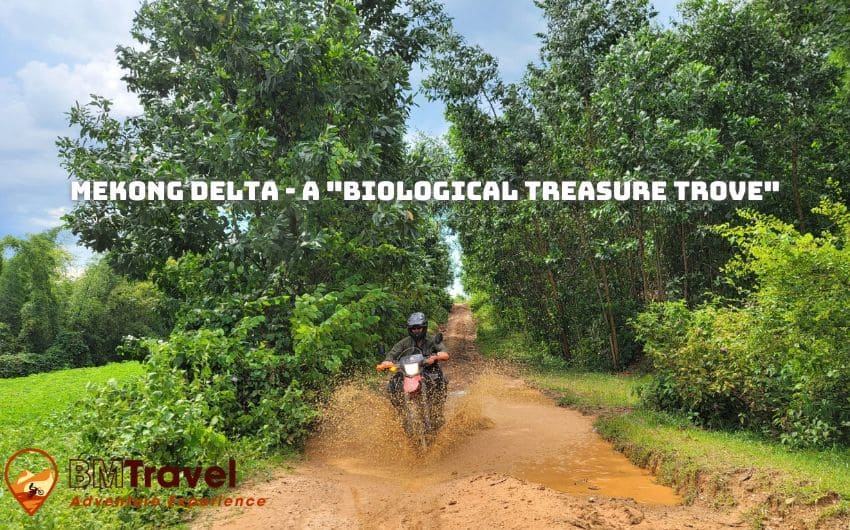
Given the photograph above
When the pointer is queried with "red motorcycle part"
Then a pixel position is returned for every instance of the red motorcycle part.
(411, 384)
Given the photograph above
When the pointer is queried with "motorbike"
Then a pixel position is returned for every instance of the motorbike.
(32, 491)
(419, 412)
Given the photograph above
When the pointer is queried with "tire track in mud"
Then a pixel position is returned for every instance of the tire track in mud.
(508, 457)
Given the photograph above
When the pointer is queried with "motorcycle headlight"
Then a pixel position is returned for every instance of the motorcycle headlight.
(411, 369)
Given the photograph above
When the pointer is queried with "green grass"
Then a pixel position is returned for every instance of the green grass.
(805, 476)
(496, 343)
(581, 389)
(591, 390)
(34, 413)
(35, 396)
(677, 450)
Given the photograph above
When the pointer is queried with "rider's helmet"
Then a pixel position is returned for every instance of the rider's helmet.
(417, 325)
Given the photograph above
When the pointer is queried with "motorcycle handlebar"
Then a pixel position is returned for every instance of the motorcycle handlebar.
(387, 365)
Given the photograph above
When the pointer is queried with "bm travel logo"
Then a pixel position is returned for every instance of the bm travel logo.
(31, 474)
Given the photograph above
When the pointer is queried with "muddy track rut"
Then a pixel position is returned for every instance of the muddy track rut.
(508, 457)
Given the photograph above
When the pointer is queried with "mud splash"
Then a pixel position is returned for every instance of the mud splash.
(507, 458)
(498, 425)
(361, 434)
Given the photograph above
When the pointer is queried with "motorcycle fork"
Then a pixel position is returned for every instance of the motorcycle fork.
(426, 407)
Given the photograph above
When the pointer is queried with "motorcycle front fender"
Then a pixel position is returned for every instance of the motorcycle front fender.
(412, 384)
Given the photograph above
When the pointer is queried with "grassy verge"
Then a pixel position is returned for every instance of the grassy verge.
(718, 467)
(651, 438)
(28, 399)
(34, 413)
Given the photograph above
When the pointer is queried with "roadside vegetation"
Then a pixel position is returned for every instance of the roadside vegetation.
(245, 314)
(45, 411)
(39, 411)
(270, 302)
(51, 319)
(717, 467)
(738, 307)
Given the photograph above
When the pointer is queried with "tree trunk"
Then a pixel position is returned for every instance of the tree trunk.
(543, 249)
(795, 184)
(644, 278)
(685, 268)
(660, 293)
(615, 343)
(604, 301)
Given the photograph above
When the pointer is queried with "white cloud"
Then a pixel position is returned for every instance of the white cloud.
(49, 91)
(50, 219)
(33, 104)
(80, 30)
(18, 130)
(37, 94)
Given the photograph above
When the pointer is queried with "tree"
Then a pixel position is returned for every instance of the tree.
(29, 305)
(103, 307)
(278, 296)
(736, 91)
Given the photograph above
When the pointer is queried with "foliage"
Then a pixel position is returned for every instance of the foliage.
(777, 363)
(49, 320)
(8, 340)
(69, 350)
(29, 302)
(291, 91)
(734, 91)
(104, 307)
(695, 461)
(35, 413)
(272, 300)
(206, 388)
(21, 364)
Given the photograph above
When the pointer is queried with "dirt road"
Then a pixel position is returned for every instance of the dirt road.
(508, 457)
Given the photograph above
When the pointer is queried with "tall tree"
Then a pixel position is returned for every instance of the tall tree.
(29, 304)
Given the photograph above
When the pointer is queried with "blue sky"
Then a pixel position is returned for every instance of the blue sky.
(56, 52)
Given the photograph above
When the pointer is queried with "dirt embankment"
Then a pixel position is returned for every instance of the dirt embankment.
(508, 457)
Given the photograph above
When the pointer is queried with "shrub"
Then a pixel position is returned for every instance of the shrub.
(69, 350)
(8, 342)
(779, 362)
(104, 307)
(22, 364)
(204, 389)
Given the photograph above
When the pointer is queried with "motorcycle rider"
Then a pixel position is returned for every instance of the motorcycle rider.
(435, 381)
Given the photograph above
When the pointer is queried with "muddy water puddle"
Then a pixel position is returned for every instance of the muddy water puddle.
(497, 425)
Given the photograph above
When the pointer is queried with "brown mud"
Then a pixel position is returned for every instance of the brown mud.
(508, 457)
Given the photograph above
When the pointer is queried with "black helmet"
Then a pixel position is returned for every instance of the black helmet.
(417, 320)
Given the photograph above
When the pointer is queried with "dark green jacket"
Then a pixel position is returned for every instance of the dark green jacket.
(429, 347)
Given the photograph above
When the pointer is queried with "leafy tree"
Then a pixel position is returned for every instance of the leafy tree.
(534, 131)
(777, 363)
(272, 299)
(294, 91)
(103, 308)
(28, 289)
(736, 91)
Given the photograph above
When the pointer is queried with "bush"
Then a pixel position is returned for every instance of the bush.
(779, 363)
(8, 342)
(205, 389)
(22, 364)
(104, 307)
(69, 350)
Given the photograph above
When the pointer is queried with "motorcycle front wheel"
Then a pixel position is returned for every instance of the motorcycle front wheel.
(416, 421)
